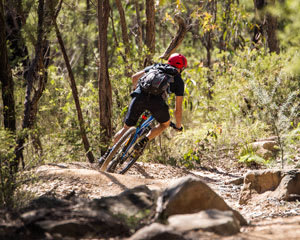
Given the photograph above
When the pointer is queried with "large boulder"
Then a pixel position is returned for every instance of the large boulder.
(138, 203)
(191, 195)
(279, 184)
(77, 218)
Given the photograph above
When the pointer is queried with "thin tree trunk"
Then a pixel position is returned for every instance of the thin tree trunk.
(177, 40)
(9, 114)
(139, 38)
(85, 42)
(85, 141)
(33, 72)
(105, 91)
(150, 30)
(123, 26)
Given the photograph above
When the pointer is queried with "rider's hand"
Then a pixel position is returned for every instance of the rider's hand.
(173, 125)
(179, 129)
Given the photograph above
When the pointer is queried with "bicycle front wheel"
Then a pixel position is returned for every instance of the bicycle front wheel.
(128, 164)
(118, 149)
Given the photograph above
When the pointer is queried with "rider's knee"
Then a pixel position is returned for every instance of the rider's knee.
(165, 124)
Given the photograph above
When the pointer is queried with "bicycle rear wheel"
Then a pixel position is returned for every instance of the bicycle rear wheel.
(118, 149)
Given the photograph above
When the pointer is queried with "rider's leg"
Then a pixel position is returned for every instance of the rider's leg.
(120, 133)
(157, 130)
(117, 136)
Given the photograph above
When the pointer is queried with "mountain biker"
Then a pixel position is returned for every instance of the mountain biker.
(155, 104)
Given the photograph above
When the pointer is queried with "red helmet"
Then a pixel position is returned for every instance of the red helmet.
(177, 60)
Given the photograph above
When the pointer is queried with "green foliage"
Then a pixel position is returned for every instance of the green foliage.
(253, 95)
(190, 158)
(245, 94)
(7, 177)
(278, 107)
(249, 156)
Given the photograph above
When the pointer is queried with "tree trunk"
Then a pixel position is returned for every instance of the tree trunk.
(15, 19)
(177, 40)
(33, 72)
(271, 28)
(150, 30)
(85, 141)
(105, 91)
(85, 42)
(139, 32)
(36, 79)
(9, 114)
(265, 25)
(123, 26)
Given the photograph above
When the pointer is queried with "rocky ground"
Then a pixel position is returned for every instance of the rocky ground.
(269, 218)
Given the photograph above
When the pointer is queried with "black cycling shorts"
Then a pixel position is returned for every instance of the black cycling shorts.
(154, 104)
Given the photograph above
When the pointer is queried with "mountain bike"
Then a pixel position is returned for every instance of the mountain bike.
(123, 155)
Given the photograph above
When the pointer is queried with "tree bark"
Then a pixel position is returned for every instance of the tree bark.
(150, 30)
(271, 28)
(85, 42)
(123, 26)
(265, 25)
(15, 19)
(105, 91)
(177, 40)
(33, 72)
(139, 32)
(9, 114)
(85, 141)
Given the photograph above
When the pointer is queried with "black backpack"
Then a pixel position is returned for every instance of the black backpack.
(157, 80)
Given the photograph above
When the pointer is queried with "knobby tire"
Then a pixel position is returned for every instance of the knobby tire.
(131, 159)
(129, 165)
(118, 146)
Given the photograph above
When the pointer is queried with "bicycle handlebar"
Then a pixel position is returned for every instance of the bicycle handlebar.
(173, 125)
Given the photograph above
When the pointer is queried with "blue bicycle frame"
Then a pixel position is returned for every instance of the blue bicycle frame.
(138, 132)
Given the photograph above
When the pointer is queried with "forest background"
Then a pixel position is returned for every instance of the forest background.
(65, 79)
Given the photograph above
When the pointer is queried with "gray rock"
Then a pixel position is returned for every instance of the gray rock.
(220, 222)
(280, 184)
(265, 148)
(157, 231)
(191, 195)
(237, 181)
(131, 202)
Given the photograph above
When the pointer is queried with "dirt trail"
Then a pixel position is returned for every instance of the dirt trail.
(270, 219)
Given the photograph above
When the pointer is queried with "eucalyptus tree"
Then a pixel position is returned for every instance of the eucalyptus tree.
(7, 85)
(123, 26)
(104, 84)
(85, 140)
(150, 30)
(266, 25)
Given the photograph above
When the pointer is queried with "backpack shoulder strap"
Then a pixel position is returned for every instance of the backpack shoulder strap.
(168, 69)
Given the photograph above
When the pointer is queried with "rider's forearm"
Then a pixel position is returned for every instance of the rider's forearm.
(178, 117)
(178, 110)
(135, 78)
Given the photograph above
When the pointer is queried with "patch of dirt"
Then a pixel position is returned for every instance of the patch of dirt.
(270, 218)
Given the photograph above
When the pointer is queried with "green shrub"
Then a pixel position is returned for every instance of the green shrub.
(7, 176)
(249, 156)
